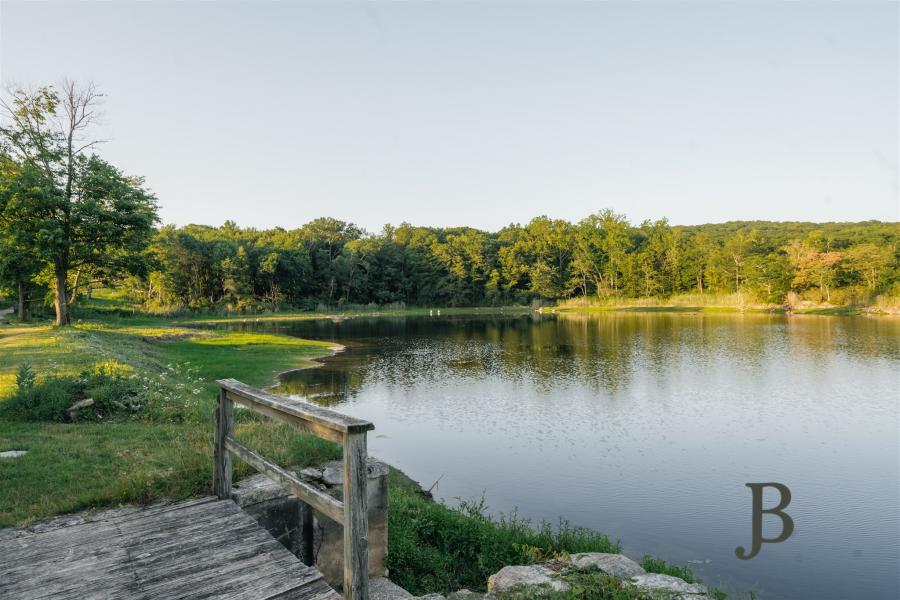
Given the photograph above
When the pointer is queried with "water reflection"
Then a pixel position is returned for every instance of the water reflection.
(550, 351)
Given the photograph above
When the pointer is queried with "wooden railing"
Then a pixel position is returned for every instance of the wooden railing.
(352, 513)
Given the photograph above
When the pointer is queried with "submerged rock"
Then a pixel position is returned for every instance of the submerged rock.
(531, 575)
(617, 565)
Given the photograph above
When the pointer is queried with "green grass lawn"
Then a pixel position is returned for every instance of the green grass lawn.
(164, 452)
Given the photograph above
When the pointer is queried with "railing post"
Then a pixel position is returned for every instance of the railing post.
(222, 457)
(307, 537)
(356, 517)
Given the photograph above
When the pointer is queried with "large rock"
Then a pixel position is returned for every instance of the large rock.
(657, 582)
(531, 575)
(617, 565)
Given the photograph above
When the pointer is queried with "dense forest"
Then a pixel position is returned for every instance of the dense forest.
(334, 263)
(70, 221)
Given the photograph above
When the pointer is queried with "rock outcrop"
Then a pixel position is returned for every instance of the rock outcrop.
(538, 576)
(616, 565)
(538, 580)
(678, 588)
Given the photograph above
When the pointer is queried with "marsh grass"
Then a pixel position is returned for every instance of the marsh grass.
(674, 303)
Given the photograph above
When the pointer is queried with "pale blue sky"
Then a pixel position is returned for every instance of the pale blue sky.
(485, 113)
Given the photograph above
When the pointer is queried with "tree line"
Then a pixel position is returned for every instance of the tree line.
(332, 262)
(70, 221)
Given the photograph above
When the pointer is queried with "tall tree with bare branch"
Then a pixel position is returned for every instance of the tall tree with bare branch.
(83, 213)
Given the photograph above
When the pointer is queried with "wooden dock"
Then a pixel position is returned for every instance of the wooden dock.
(206, 548)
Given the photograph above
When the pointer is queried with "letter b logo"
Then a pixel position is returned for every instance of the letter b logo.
(787, 523)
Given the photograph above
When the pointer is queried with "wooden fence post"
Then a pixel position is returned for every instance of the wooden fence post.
(307, 538)
(222, 457)
(356, 517)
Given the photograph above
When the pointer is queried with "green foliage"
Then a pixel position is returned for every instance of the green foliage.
(62, 209)
(25, 377)
(114, 394)
(333, 263)
(435, 548)
(658, 565)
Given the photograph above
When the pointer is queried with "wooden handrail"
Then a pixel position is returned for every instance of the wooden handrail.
(352, 513)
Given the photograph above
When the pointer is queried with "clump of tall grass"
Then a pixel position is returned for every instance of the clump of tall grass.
(658, 565)
(888, 304)
(737, 300)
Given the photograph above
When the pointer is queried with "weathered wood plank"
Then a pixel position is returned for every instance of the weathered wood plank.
(356, 518)
(301, 410)
(200, 549)
(319, 500)
(302, 425)
(222, 470)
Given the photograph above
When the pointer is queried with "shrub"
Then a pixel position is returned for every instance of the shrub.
(25, 377)
(47, 401)
(433, 548)
(115, 392)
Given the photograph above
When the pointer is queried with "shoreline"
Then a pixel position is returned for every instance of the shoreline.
(833, 311)
(314, 363)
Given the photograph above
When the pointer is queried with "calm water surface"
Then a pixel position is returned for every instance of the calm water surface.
(646, 427)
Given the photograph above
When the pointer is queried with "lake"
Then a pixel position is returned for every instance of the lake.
(646, 426)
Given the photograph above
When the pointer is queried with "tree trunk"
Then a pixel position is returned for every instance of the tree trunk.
(59, 297)
(74, 294)
(22, 310)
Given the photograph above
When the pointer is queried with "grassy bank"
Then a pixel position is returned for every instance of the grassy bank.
(718, 303)
(108, 306)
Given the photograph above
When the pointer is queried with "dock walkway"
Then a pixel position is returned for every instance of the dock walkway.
(205, 548)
